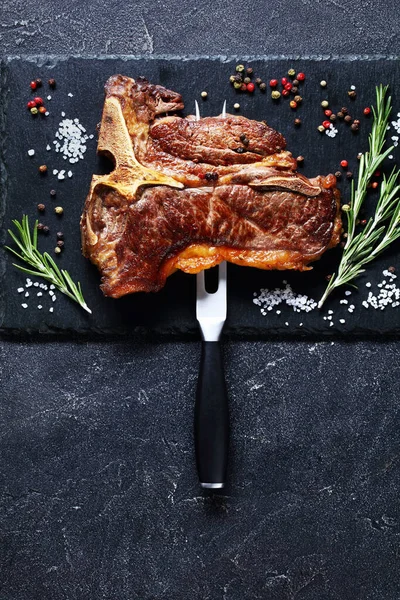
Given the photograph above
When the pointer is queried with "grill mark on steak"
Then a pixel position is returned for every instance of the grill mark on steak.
(181, 196)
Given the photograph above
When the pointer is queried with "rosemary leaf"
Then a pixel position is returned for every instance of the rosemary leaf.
(382, 228)
(43, 264)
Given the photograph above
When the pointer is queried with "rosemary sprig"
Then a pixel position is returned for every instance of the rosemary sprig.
(43, 264)
(382, 228)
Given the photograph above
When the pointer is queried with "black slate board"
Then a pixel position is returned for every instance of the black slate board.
(172, 311)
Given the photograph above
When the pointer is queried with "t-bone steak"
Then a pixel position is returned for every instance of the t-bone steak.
(188, 194)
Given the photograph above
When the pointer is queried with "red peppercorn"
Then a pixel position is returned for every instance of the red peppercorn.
(285, 93)
(42, 110)
(327, 112)
(273, 83)
(377, 174)
(31, 104)
(251, 87)
(284, 81)
(288, 86)
(326, 124)
(374, 185)
(363, 222)
(367, 111)
(38, 100)
(344, 164)
(301, 76)
(33, 85)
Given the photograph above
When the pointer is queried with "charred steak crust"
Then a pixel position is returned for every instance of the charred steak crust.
(187, 194)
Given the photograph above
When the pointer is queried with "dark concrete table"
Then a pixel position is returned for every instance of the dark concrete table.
(99, 496)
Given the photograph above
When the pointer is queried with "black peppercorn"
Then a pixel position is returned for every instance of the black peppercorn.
(332, 118)
(60, 244)
(352, 94)
(45, 229)
(38, 82)
(338, 174)
(249, 70)
(297, 122)
(60, 235)
(243, 138)
(340, 115)
(392, 269)
(295, 82)
(52, 83)
(344, 110)
(294, 90)
(40, 226)
(348, 119)
(246, 80)
(263, 87)
(349, 175)
(356, 121)
(354, 127)
(258, 80)
(41, 207)
(238, 78)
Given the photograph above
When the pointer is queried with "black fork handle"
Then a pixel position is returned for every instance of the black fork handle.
(211, 421)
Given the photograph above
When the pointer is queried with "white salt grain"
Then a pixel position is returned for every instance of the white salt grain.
(26, 294)
(39, 294)
(36, 284)
(342, 321)
(70, 95)
(20, 290)
(31, 152)
(24, 305)
(51, 309)
(40, 306)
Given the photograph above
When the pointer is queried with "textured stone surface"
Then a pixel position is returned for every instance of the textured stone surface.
(99, 497)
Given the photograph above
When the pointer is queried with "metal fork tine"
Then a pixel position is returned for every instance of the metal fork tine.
(197, 110)
(223, 114)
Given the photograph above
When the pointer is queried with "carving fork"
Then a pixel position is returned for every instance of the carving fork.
(211, 423)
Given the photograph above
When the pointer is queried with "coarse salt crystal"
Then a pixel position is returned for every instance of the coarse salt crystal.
(20, 290)
(52, 286)
(69, 174)
(49, 97)
(342, 321)
(40, 306)
(55, 171)
(63, 114)
(36, 284)
(24, 305)
(70, 95)
(39, 294)
(368, 284)
(31, 152)
(26, 294)
(51, 309)
(347, 293)
(46, 114)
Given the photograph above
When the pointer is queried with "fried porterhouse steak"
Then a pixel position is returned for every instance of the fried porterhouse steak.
(187, 194)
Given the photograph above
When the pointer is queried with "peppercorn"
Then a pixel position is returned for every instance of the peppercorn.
(204, 95)
(38, 82)
(294, 90)
(321, 128)
(239, 78)
(45, 229)
(250, 87)
(297, 122)
(298, 99)
(377, 173)
(295, 82)
(244, 139)
(367, 111)
(258, 80)
(39, 226)
(236, 106)
(263, 87)
(344, 164)
(38, 100)
(348, 119)
(357, 122)
(247, 79)
(275, 95)
(322, 83)
(239, 68)
(332, 118)
(328, 112)
(340, 115)
(57, 250)
(344, 110)
(326, 124)
(237, 85)
(363, 222)
(42, 110)
(53, 192)
(34, 110)
(285, 93)
(352, 94)
(59, 210)
(324, 103)
(338, 174)
(328, 277)
(243, 87)
(43, 169)
(284, 81)
(249, 70)
(232, 78)
(354, 127)
(349, 175)
(293, 104)
(52, 83)
(60, 235)
(273, 83)
(392, 269)
(300, 159)
(41, 207)
(301, 76)
(288, 86)
(60, 244)
(33, 85)
(291, 72)
(345, 208)
(374, 185)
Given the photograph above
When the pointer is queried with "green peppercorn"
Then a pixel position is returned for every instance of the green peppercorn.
(322, 83)
(324, 103)
(34, 111)
(59, 210)
(275, 95)
(321, 128)
(57, 250)
(236, 106)
(232, 78)
(237, 85)
(291, 72)
(239, 68)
